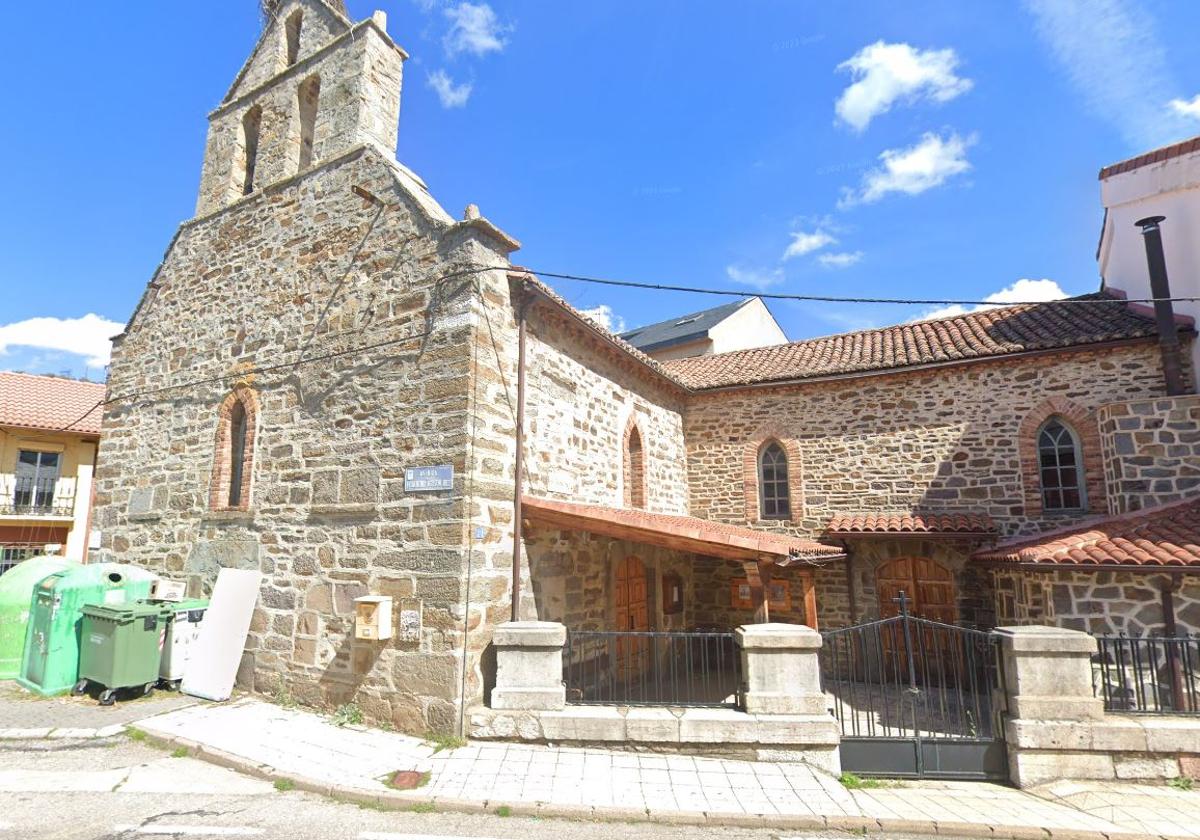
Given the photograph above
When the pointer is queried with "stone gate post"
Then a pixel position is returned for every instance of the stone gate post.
(529, 674)
(781, 670)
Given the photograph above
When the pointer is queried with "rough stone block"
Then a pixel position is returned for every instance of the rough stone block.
(1028, 768)
(584, 723)
(654, 726)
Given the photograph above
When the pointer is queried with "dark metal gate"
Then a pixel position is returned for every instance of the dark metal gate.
(916, 698)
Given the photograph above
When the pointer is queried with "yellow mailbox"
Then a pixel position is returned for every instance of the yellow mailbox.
(373, 617)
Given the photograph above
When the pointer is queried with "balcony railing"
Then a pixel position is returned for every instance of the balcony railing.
(652, 668)
(24, 496)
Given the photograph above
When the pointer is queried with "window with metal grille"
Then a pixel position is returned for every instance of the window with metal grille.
(11, 555)
(1060, 464)
(775, 501)
(36, 478)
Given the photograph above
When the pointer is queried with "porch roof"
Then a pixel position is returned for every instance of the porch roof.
(1159, 537)
(684, 533)
(919, 524)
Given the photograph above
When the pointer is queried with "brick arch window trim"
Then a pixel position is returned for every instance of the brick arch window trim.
(752, 475)
(237, 430)
(1085, 432)
(633, 465)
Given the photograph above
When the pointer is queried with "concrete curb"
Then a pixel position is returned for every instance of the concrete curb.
(52, 733)
(398, 800)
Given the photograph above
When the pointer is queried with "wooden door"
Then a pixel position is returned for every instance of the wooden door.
(929, 586)
(632, 614)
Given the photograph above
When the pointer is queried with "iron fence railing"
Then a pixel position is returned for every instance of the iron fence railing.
(1148, 674)
(36, 497)
(644, 668)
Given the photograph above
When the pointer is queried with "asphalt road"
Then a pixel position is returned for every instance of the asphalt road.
(119, 789)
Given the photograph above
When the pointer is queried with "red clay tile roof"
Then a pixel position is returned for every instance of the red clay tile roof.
(48, 402)
(683, 532)
(911, 523)
(1165, 153)
(976, 335)
(1166, 535)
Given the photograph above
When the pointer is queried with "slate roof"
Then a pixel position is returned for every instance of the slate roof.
(686, 532)
(911, 523)
(1166, 535)
(49, 402)
(1157, 155)
(682, 328)
(976, 335)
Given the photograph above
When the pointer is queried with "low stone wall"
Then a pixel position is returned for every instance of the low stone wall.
(1057, 728)
(784, 715)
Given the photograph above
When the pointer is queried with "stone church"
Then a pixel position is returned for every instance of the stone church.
(322, 334)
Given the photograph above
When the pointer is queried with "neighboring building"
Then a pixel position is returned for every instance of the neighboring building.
(1164, 182)
(49, 431)
(742, 325)
(323, 328)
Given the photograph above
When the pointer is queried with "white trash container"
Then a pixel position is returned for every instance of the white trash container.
(180, 639)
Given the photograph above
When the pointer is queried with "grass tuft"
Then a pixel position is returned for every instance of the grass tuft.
(347, 714)
(283, 697)
(504, 811)
(441, 741)
(284, 785)
(135, 734)
(180, 752)
(1181, 783)
(420, 808)
(850, 781)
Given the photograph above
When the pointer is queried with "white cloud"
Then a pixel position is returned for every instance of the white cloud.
(1112, 57)
(1187, 108)
(841, 260)
(920, 167)
(805, 243)
(451, 95)
(1022, 291)
(87, 336)
(474, 29)
(758, 278)
(887, 73)
(605, 317)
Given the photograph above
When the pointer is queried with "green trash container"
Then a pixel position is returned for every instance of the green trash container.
(16, 590)
(182, 633)
(121, 646)
(50, 662)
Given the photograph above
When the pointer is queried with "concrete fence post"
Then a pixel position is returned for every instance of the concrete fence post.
(529, 674)
(781, 670)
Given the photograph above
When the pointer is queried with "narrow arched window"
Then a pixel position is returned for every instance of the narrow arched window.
(237, 452)
(635, 469)
(233, 455)
(307, 96)
(292, 30)
(773, 491)
(250, 129)
(1060, 464)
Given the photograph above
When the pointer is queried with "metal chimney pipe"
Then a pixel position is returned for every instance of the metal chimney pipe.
(1164, 312)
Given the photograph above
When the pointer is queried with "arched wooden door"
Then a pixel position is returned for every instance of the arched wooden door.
(632, 613)
(929, 586)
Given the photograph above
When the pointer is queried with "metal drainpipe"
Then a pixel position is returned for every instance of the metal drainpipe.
(1164, 313)
(520, 459)
(851, 595)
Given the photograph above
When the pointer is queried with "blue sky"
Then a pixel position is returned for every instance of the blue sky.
(919, 149)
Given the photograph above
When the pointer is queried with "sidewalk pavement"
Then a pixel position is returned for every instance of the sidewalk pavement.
(24, 714)
(353, 763)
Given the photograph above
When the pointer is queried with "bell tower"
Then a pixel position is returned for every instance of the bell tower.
(316, 86)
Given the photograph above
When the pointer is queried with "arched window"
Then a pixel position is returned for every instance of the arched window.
(307, 96)
(292, 29)
(250, 128)
(773, 493)
(635, 468)
(1060, 464)
(233, 458)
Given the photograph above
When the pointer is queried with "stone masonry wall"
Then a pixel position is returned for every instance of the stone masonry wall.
(1151, 451)
(310, 269)
(1100, 603)
(944, 439)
